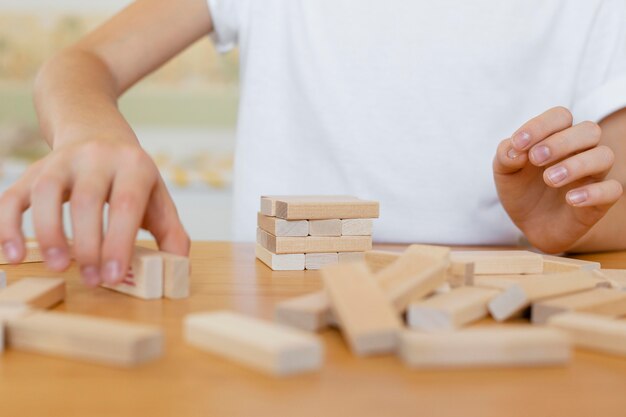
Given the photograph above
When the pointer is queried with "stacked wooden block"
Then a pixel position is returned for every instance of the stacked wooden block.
(308, 232)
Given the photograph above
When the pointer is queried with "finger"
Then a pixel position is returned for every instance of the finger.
(605, 193)
(127, 205)
(507, 159)
(578, 138)
(163, 222)
(47, 197)
(540, 127)
(86, 204)
(13, 202)
(594, 163)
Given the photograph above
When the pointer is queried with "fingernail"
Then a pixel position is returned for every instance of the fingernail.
(512, 153)
(112, 272)
(540, 154)
(577, 196)
(90, 274)
(10, 251)
(521, 140)
(56, 258)
(557, 174)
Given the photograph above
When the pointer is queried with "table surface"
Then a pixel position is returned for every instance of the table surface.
(189, 382)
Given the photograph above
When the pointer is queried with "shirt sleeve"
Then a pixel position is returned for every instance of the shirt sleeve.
(226, 18)
(601, 86)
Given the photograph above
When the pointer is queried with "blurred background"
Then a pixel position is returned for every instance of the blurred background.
(184, 114)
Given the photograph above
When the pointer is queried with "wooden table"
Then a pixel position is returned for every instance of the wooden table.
(188, 382)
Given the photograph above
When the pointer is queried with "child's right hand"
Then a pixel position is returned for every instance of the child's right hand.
(89, 173)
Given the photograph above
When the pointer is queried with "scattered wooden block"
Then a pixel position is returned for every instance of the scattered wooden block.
(501, 282)
(553, 264)
(365, 316)
(266, 346)
(313, 244)
(412, 276)
(379, 259)
(357, 227)
(602, 301)
(485, 347)
(10, 311)
(460, 274)
(144, 278)
(329, 227)
(615, 277)
(501, 262)
(281, 227)
(33, 254)
(310, 312)
(328, 207)
(318, 260)
(450, 311)
(176, 270)
(593, 332)
(86, 338)
(34, 292)
(3, 279)
(518, 297)
(285, 262)
(351, 256)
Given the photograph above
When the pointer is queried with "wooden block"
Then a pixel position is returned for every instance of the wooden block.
(268, 202)
(351, 256)
(310, 312)
(33, 254)
(86, 338)
(485, 347)
(615, 277)
(313, 244)
(412, 276)
(318, 260)
(603, 301)
(357, 227)
(518, 297)
(176, 271)
(281, 227)
(593, 332)
(379, 259)
(329, 227)
(286, 262)
(265, 346)
(144, 278)
(553, 264)
(34, 292)
(364, 313)
(3, 279)
(501, 282)
(328, 207)
(501, 262)
(450, 311)
(460, 274)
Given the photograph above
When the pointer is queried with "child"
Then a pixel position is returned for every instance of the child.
(400, 101)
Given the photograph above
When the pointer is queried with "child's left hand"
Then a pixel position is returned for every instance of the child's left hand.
(551, 179)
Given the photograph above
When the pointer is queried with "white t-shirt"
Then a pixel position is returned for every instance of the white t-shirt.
(405, 101)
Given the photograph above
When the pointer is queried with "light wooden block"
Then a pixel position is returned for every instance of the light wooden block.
(86, 338)
(501, 262)
(554, 264)
(10, 311)
(313, 244)
(33, 254)
(310, 312)
(380, 259)
(357, 227)
(176, 271)
(451, 310)
(281, 227)
(593, 332)
(3, 279)
(603, 301)
(34, 292)
(615, 277)
(326, 207)
(351, 256)
(285, 262)
(319, 260)
(485, 347)
(518, 297)
(412, 276)
(362, 310)
(144, 278)
(460, 274)
(329, 227)
(268, 202)
(500, 282)
(262, 345)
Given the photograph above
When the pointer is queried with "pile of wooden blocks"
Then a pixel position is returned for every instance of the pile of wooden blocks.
(26, 325)
(431, 307)
(308, 232)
